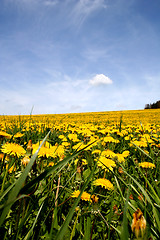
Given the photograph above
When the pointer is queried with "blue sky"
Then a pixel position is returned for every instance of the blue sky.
(62, 56)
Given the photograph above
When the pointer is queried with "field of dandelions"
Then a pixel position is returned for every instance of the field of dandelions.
(80, 176)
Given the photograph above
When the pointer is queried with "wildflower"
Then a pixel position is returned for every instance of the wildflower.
(139, 143)
(125, 154)
(18, 135)
(25, 160)
(29, 146)
(73, 137)
(65, 144)
(94, 198)
(106, 163)
(43, 152)
(1, 156)
(96, 151)
(108, 153)
(110, 139)
(127, 138)
(79, 146)
(75, 194)
(4, 134)
(51, 164)
(138, 223)
(103, 183)
(85, 196)
(62, 137)
(147, 165)
(60, 151)
(11, 169)
(13, 149)
(82, 161)
(120, 157)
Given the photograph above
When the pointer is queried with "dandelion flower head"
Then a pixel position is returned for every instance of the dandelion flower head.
(103, 183)
(13, 149)
(85, 196)
(147, 165)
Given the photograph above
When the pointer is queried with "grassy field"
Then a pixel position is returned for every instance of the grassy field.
(80, 176)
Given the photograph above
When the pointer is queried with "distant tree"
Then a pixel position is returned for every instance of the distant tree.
(153, 105)
(147, 106)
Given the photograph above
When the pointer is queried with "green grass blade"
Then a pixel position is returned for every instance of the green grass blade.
(63, 229)
(155, 213)
(142, 151)
(124, 232)
(19, 183)
(13, 201)
(50, 170)
(74, 227)
(7, 191)
(31, 230)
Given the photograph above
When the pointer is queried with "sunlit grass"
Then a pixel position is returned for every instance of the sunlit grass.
(80, 176)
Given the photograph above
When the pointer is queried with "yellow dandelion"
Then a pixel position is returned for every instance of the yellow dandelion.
(75, 194)
(51, 164)
(139, 143)
(127, 138)
(62, 137)
(125, 154)
(73, 137)
(103, 183)
(106, 163)
(85, 196)
(13, 149)
(147, 165)
(79, 146)
(4, 134)
(83, 161)
(108, 153)
(60, 150)
(96, 151)
(43, 152)
(120, 157)
(109, 139)
(65, 144)
(18, 135)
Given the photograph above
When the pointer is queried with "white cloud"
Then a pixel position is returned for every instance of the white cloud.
(84, 8)
(31, 4)
(100, 79)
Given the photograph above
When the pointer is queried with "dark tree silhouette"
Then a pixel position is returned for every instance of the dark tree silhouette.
(153, 105)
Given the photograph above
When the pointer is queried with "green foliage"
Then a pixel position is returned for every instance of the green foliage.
(36, 200)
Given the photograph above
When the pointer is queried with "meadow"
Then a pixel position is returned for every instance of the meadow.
(80, 176)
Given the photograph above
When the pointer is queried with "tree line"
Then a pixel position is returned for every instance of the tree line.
(153, 105)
